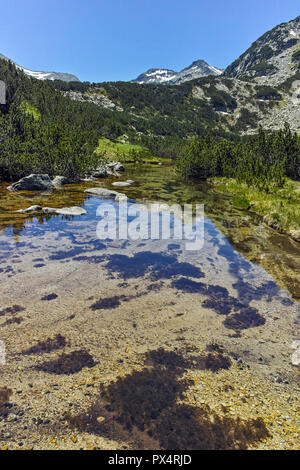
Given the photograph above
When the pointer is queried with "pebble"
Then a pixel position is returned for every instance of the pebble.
(296, 357)
(295, 344)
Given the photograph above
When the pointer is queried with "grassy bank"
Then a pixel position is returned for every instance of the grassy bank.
(123, 151)
(280, 207)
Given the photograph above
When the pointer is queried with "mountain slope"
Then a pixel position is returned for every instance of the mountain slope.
(66, 77)
(273, 58)
(213, 104)
(197, 69)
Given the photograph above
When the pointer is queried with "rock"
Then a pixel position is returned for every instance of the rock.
(34, 182)
(89, 179)
(116, 166)
(100, 172)
(119, 167)
(65, 210)
(52, 210)
(121, 184)
(105, 193)
(295, 234)
(99, 100)
(30, 209)
(296, 358)
(60, 181)
(105, 170)
(295, 344)
(113, 173)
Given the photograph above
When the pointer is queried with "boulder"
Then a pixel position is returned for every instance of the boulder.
(100, 172)
(121, 184)
(116, 166)
(105, 193)
(295, 234)
(30, 209)
(61, 181)
(108, 169)
(111, 172)
(34, 182)
(65, 210)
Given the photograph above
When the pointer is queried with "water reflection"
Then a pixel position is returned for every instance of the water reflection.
(276, 253)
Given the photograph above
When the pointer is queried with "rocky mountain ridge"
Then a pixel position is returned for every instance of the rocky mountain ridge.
(197, 69)
(66, 77)
(272, 59)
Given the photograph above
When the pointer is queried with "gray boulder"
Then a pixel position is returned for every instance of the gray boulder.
(100, 172)
(61, 181)
(65, 210)
(116, 166)
(34, 182)
(106, 193)
(107, 169)
(30, 209)
(121, 184)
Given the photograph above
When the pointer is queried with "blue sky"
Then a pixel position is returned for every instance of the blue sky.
(101, 40)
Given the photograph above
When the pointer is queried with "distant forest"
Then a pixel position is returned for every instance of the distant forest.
(43, 131)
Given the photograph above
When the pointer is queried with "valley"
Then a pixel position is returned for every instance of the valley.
(134, 343)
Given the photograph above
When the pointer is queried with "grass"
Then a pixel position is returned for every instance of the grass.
(123, 151)
(280, 208)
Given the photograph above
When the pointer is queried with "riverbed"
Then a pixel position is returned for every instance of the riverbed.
(114, 344)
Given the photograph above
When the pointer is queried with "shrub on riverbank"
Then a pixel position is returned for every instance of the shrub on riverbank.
(261, 161)
(41, 131)
(29, 146)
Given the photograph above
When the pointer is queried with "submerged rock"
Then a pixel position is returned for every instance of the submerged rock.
(105, 193)
(122, 184)
(52, 210)
(65, 210)
(296, 358)
(296, 344)
(33, 182)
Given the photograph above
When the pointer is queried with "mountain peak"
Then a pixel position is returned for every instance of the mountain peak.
(199, 68)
